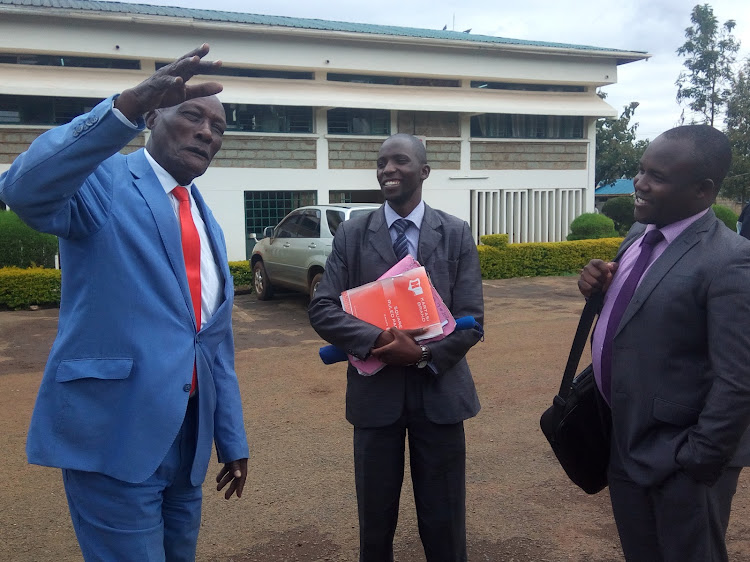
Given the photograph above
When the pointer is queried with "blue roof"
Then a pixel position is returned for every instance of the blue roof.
(303, 23)
(617, 187)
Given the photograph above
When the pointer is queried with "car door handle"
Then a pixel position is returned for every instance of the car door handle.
(287, 244)
(312, 245)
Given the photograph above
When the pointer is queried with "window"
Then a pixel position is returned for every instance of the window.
(526, 87)
(300, 224)
(267, 208)
(334, 219)
(393, 80)
(269, 118)
(42, 110)
(346, 121)
(506, 126)
(64, 60)
(253, 72)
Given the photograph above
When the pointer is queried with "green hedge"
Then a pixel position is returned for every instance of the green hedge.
(535, 259)
(726, 215)
(22, 246)
(243, 275)
(21, 288)
(592, 226)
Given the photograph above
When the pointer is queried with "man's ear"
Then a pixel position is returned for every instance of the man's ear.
(707, 190)
(150, 118)
(425, 172)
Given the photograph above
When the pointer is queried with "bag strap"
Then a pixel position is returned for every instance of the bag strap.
(593, 305)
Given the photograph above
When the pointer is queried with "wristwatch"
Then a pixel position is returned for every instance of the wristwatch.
(422, 363)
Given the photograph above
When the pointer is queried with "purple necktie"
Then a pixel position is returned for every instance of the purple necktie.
(651, 239)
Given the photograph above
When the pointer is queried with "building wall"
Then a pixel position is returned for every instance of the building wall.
(266, 151)
(528, 188)
(352, 153)
(488, 155)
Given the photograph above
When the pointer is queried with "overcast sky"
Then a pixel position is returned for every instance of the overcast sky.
(655, 26)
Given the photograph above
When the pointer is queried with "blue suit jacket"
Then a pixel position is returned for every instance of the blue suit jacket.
(116, 385)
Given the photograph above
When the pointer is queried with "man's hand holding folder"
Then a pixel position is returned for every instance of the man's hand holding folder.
(393, 351)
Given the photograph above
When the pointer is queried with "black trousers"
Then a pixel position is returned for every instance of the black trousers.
(680, 520)
(437, 456)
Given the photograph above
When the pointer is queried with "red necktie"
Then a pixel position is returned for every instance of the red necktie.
(191, 250)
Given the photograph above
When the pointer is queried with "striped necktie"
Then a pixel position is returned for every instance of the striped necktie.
(401, 245)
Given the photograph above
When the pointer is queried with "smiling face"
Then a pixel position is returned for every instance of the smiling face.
(669, 186)
(401, 169)
(185, 138)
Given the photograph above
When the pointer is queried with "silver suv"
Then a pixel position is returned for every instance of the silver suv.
(293, 254)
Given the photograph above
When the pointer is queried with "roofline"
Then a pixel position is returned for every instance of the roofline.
(582, 51)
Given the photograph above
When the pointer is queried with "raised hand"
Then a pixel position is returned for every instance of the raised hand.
(169, 86)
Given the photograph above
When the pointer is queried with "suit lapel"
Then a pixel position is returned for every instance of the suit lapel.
(219, 252)
(665, 262)
(166, 222)
(429, 235)
(380, 238)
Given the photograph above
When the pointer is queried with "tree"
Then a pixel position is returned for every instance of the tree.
(618, 153)
(737, 184)
(709, 53)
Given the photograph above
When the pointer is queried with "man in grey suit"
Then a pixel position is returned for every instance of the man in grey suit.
(424, 390)
(673, 361)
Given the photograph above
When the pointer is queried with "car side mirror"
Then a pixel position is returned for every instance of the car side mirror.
(268, 232)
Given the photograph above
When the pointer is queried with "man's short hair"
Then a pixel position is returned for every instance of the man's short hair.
(419, 149)
(710, 150)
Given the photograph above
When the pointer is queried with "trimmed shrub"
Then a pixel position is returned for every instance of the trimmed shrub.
(726, 215)
(21, 288)
(620, 210)
(22, 246)
(543, 258)
(590, 226)
(498, 241)
(243, 275)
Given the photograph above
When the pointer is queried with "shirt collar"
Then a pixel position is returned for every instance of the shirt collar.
(166, 180)
(415, 216)
(672, 231)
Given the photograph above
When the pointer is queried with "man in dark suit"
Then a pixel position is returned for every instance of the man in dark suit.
(424, 390)
(671, 355)
(140, 382)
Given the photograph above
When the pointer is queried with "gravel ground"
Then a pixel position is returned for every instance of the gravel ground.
(299, 503)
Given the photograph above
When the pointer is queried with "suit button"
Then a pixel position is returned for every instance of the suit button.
(186, 388)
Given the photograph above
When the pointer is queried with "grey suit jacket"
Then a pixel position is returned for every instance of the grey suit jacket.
(362, 252)
(681, 359)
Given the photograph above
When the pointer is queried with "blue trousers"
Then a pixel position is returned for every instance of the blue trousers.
(153, 521)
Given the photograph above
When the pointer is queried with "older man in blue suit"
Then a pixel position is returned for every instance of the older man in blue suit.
(140, 381)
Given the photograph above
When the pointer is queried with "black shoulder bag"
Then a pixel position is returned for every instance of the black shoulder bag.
(577, 425)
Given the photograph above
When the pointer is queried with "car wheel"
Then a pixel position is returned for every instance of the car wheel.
(261, 283)
(314, 284)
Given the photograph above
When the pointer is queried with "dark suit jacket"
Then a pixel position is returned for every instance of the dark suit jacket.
(362, 252)
(681, 359)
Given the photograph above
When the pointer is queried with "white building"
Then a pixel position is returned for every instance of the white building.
(509, 125)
